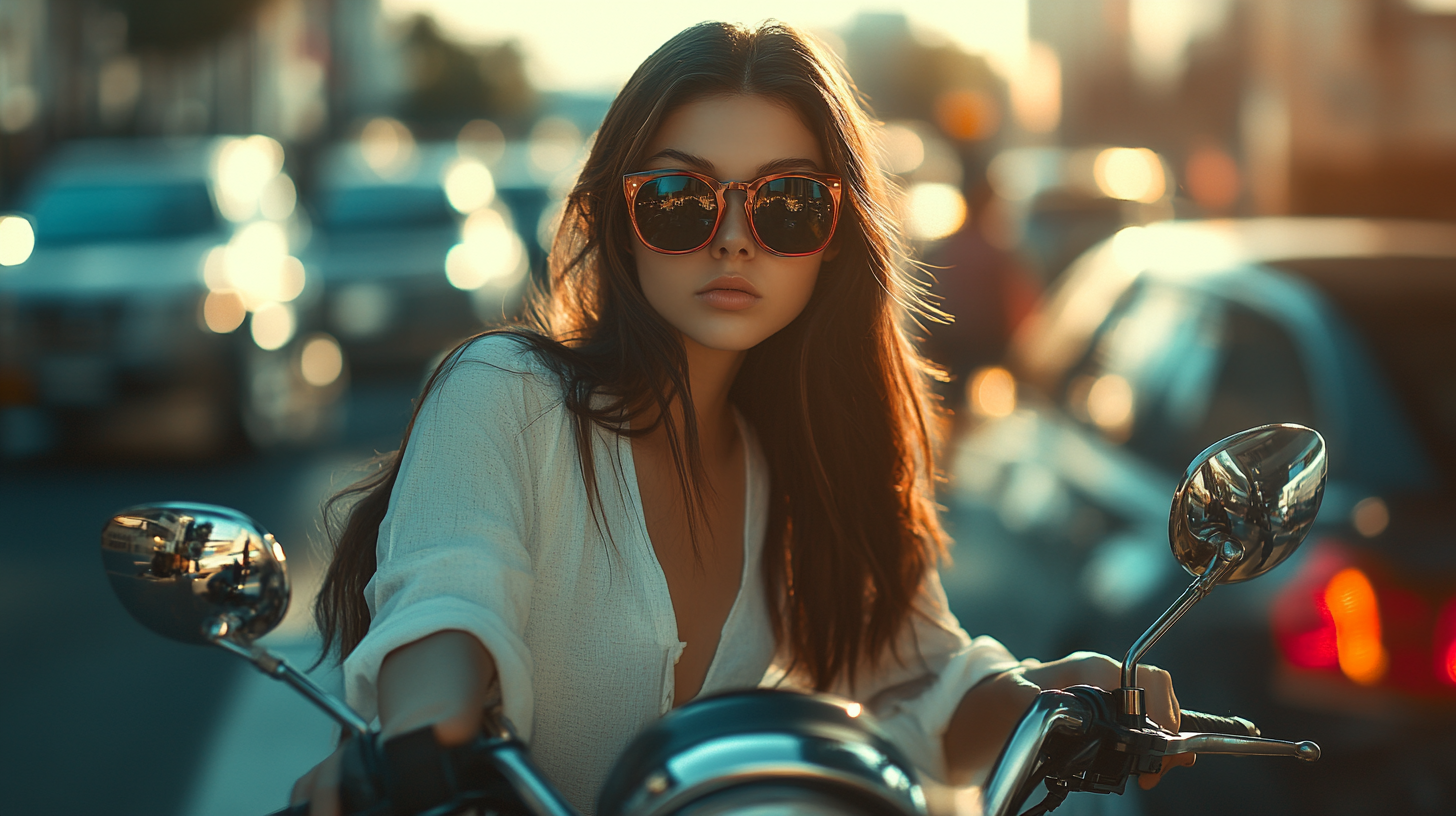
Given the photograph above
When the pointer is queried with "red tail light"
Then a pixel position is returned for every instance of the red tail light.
(1350, 599)
(1445, 644)
(1303, 625)
(1345, 615)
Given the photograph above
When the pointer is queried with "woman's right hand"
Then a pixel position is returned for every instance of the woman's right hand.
(320, 786)
(444, 680)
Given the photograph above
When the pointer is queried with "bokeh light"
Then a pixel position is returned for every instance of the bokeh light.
(903, 148)
(256, 265)
(223, 311)
(388, 147)
(968, 115)
(17, 240)
(489, 252)
(1212, 179)
(1110, 404)
(273, 325)
(481, 139)
(1370, 516)
(993, 392)
(468, 185)
(1130, 173)
(934, 211)
(243, 169)
(1036, 90)
(321, 361)
(279, 198)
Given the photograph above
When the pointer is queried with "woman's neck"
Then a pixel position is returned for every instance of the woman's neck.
(710, 376)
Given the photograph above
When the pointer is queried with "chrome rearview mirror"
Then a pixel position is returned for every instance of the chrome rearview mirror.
(203, 574)
(1244, 505)
(186, 570)
(1256, 494)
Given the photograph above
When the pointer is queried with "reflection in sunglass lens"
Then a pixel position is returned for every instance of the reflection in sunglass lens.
(675, 213)
(793, 215)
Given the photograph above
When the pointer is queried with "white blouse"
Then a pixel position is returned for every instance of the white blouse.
(490, 531)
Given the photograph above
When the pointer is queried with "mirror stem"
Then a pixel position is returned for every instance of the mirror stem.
(279, 669)
(1131, 703)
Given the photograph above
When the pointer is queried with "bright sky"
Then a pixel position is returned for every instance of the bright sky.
(595, 45)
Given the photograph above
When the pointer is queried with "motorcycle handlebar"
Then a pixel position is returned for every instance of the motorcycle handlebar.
(1196, 721)
(1063, 711)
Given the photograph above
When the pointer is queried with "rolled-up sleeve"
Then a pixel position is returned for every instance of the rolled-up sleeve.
(452, 550)
(914, 696)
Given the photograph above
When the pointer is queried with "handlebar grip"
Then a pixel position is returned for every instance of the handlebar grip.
(1214, 724)
(300, 809)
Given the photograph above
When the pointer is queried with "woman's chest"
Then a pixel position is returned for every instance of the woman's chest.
(696, 534)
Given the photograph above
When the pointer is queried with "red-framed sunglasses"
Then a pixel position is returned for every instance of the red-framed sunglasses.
(676, 212)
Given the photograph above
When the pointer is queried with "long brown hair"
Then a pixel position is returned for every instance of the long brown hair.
(837, 398)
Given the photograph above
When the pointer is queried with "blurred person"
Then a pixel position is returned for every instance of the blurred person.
(987, 292)
(704, 466)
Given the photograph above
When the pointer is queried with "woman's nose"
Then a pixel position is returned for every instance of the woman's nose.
(735, 237)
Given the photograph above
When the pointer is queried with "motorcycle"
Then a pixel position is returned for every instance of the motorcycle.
(210, 575)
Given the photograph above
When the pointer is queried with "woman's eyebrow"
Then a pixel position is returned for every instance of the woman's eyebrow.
(785, 165)
(696, 162)
(704, 166)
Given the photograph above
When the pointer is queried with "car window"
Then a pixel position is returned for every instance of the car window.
(1171, 371)
(1404, 311)
(398, 205)
(120, 212)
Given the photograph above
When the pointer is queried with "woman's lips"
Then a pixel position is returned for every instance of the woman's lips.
(729, 294)
(729, 300)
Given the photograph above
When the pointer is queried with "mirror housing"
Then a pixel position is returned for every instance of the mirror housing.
(181, 569)
(1256, 492)
(1244, 505)
(208, 575)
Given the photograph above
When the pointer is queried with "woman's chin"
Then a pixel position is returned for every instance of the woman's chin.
(728, 341)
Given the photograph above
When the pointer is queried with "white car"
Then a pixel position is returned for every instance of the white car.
(163, 311)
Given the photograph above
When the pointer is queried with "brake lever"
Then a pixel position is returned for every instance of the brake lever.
(1229, 744)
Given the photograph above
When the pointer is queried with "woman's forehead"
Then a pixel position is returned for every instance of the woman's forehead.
(733, 137)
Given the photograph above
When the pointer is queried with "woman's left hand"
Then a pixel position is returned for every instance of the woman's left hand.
(1092, 669)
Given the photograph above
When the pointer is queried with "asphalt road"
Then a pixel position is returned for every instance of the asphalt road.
(103, 716)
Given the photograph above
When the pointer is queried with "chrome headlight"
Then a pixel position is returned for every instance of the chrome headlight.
(763, 752)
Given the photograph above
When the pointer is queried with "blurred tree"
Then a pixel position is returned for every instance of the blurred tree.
(450, 82)
(180, 25)
(907, 76)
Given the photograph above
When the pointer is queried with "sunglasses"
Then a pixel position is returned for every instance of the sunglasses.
(676, 212)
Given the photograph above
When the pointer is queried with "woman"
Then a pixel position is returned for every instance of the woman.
(711, 455)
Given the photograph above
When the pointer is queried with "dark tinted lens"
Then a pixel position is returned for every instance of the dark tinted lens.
(793, 215)
(675, 213)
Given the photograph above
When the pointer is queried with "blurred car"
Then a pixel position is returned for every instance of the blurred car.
(1158, 343)
(161, 312)
(417, 246)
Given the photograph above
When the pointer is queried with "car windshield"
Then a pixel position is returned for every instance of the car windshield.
(384, 207)
(1172, 371)
(122, 212)
(1403, 310)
